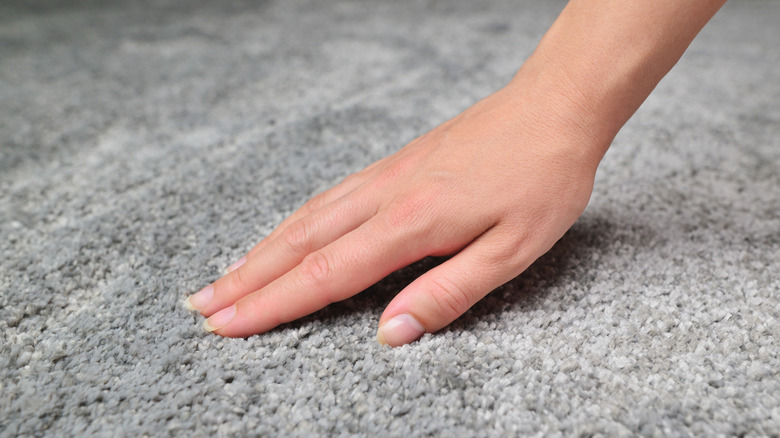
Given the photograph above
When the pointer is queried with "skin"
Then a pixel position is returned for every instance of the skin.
(495, 187)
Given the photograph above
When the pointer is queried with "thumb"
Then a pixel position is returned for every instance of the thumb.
(446, 292)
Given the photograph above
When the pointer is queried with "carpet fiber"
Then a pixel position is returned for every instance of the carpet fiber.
(147, 145)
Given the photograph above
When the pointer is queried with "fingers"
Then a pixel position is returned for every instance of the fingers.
(313, 205)
(283, 253)
(447, 291)
(333, 273)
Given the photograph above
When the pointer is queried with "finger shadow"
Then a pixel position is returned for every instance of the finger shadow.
(371, 301)
(573, 259)
(575, 252)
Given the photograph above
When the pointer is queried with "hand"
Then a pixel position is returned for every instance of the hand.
(496, 187)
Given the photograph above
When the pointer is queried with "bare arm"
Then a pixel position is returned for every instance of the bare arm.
(601, 59)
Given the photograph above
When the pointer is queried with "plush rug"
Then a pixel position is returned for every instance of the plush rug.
(146, 145)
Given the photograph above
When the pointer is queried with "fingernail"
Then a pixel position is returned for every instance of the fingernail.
(201, 299)
(235, 265)
(219, 319)
(401, 329)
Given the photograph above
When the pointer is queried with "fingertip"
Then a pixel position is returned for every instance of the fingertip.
(219, 319)
(400, 330)
(200, 300)
(188, 305)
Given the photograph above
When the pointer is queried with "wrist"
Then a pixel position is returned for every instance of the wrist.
(559, 113)
(601, 59)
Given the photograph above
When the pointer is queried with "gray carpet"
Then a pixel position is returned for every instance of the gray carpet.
(147, 145)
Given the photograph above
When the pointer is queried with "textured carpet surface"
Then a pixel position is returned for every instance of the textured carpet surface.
(146, 145)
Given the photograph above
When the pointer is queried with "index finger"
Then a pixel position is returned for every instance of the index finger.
(333, 273)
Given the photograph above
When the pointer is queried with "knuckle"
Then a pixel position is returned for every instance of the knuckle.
(397, 168)
(451, 299)
(315, 203)
(408, 211)
(512, 246)
(298, 237)
(316, 269)
(509, 248)
(393, 172)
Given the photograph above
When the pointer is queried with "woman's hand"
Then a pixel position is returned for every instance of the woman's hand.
(496, 187)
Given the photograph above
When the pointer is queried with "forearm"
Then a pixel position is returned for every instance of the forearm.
(601, 59)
